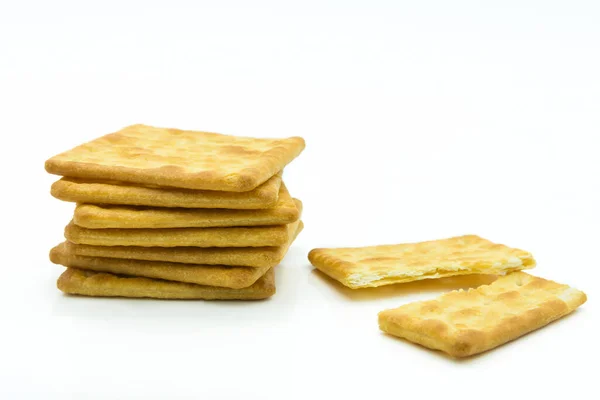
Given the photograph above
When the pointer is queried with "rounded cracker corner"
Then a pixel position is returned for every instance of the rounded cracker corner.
(243, 181)
(299, 140)
(83, 216)
(57, 188)
(50, 166)
(55, 253)
(313, 254)
(63, 281)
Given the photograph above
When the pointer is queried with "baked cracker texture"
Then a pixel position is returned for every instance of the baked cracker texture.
(86, 191)
(257, 236)
(178, 158)
(463, 323)
(236, 256)
(112, 216)
(211, 275)
(90, 283)
(388, 264)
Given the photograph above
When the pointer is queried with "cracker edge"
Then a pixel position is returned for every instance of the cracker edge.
(242, 181)
(66, 190)
(332, 266)
(60, 255)
(434, 335)
(73, 282)
(95, 216)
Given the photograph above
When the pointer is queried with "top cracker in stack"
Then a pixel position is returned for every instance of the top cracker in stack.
(154, 166)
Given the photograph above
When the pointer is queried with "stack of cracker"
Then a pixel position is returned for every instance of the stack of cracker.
(173, 214)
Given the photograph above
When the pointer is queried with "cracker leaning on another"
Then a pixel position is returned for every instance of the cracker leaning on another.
(388, 264)
(460, 323)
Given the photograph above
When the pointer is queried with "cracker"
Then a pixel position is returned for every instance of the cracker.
(257, 236)
(383, 265)
(238, 256)
(172, 157)
(462, 323)
(211, 275)
(103, 216)
(87, 191)
(90, 283)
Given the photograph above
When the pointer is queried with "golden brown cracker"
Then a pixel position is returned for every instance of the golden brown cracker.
(101, 284)
(257, 236)
(462, 323)
(239, 256)
(97, 192)
(112, 216)
(178, 158)
(382, 265)
(211, 275)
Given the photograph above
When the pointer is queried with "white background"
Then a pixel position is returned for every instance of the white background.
(422, 119)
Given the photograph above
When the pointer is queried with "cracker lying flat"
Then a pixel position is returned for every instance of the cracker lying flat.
(172, 157)
(211, 275)
(87, 191)
(463, 323)
(102, 216)
(239, 256)
(383, 265)
(257, 236)
(89, 283)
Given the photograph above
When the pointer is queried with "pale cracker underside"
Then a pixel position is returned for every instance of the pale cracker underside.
(382, 265)
(87, 191)
(111, 216)
(211, 275)
(90, 283)
(171, 157)
(463, 323)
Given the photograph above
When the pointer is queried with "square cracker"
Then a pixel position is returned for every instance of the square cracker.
(257, 257)
(256, 236)
(112, 216)
(90, 283)
(211, 275)
(462, 323)
(178, 158)
(113, 192)
(383, 265)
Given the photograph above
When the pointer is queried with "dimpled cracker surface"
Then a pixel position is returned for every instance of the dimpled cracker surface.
(90, 283)
(102, 216)
(388, 264)
(87, 191)
(257, 236)
(211, 275)
(178, 158)
(462, 323)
